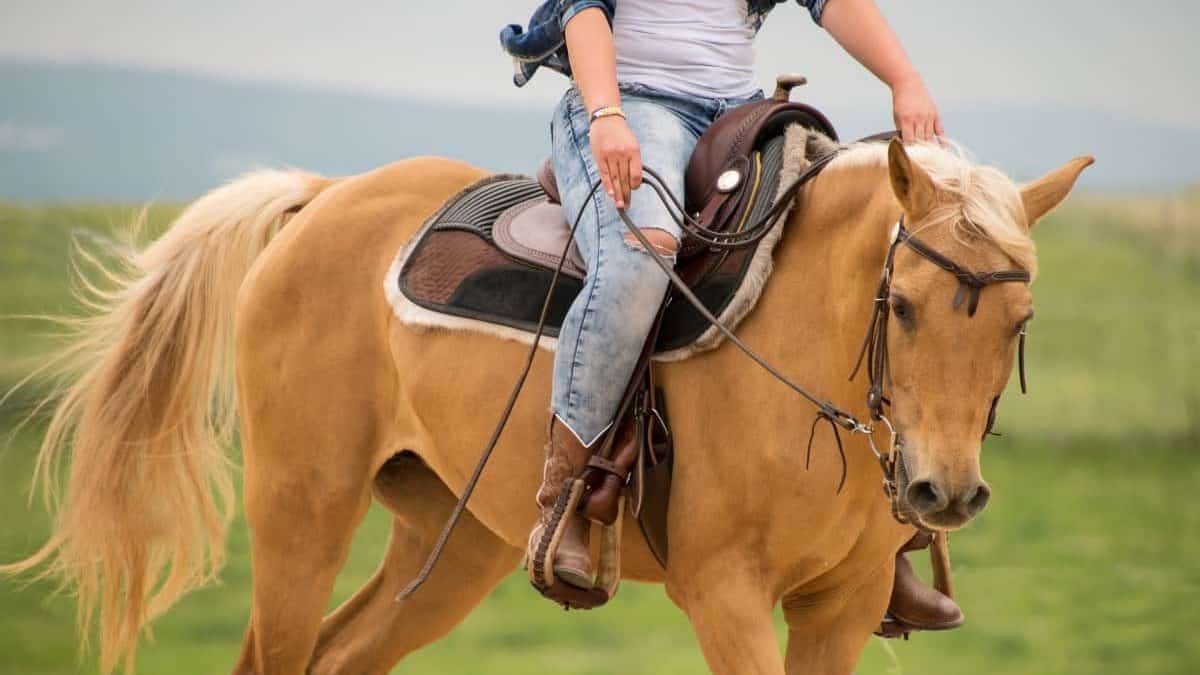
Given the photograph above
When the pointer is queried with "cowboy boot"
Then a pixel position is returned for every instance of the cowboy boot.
(915, 605)
(566, 459)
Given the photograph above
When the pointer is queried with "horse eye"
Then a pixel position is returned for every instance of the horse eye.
(901, 309)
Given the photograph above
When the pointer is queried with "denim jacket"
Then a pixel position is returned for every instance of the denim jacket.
(544, 43)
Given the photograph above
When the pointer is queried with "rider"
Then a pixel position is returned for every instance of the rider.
(648, 77)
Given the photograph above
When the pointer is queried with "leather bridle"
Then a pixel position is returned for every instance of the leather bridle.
(874, 345)
(874, 349)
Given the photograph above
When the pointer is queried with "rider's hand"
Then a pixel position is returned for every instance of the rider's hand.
(618, 157)
(915, 114)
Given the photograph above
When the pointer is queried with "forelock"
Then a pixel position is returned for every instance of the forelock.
(975, 200)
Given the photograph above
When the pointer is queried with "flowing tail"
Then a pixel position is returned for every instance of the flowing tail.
(145, 409)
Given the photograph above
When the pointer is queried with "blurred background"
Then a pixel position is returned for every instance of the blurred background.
(1086, 560)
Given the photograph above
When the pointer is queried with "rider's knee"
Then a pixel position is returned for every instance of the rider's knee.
(664, 243)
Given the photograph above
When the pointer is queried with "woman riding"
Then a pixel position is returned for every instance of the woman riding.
(647, 78)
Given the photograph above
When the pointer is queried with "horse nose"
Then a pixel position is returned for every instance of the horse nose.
(973, 499)
(927, 497)
(933, 501)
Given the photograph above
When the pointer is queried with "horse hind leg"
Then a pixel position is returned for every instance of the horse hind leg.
(311, 449)
(302, 515)
(370, 633)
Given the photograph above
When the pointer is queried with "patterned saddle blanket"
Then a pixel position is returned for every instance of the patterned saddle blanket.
(485, 260)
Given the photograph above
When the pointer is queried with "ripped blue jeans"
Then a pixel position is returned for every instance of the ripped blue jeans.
(606, 326)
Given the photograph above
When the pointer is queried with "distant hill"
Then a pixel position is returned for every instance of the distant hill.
(104, 133)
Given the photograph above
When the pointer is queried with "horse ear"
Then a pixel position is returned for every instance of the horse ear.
(912, 185)
(1045, 193)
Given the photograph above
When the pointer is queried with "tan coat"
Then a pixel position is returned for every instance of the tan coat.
(339, 402)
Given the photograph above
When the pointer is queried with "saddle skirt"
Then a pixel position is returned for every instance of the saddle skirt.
(484, 261)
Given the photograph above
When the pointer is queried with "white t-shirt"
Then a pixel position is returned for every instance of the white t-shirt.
(696, 47)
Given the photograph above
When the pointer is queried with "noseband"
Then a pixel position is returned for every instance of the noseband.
(875, 352)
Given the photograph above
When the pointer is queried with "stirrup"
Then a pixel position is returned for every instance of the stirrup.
(891, 628)
(541, 572)
(608, 577)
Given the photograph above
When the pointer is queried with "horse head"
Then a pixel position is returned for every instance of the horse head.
(948, 361)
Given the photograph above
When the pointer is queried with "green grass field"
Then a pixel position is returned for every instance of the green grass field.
(1086, 561)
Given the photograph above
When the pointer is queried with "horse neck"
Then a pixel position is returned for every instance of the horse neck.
(827, 270)
(814, 311)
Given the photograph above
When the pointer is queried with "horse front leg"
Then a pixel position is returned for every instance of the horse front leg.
(731, 614)
(828, 635)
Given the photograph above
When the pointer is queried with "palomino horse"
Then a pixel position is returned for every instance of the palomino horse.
(340, 403)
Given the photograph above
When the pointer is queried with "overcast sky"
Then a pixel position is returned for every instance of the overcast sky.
(1134, 58)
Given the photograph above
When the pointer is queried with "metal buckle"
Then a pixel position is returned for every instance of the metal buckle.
(883, 457)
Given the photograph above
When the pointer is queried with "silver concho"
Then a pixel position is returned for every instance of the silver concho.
(729, 180)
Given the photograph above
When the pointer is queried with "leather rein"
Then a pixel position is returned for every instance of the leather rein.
(874, 343)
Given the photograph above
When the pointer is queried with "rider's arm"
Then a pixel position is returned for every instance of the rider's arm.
(860, 28)
(594, 66)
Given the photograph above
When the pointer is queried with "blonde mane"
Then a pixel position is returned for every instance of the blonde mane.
(976, 201)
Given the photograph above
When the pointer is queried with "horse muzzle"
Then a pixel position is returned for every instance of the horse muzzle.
(939, 503)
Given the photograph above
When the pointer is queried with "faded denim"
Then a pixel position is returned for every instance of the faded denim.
(606, 326)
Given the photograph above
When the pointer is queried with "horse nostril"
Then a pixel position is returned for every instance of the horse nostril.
(926, 497)
(976, 500)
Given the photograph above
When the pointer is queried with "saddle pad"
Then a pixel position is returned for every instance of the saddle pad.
(455, 274)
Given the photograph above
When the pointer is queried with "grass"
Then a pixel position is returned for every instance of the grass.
(1085, 561)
